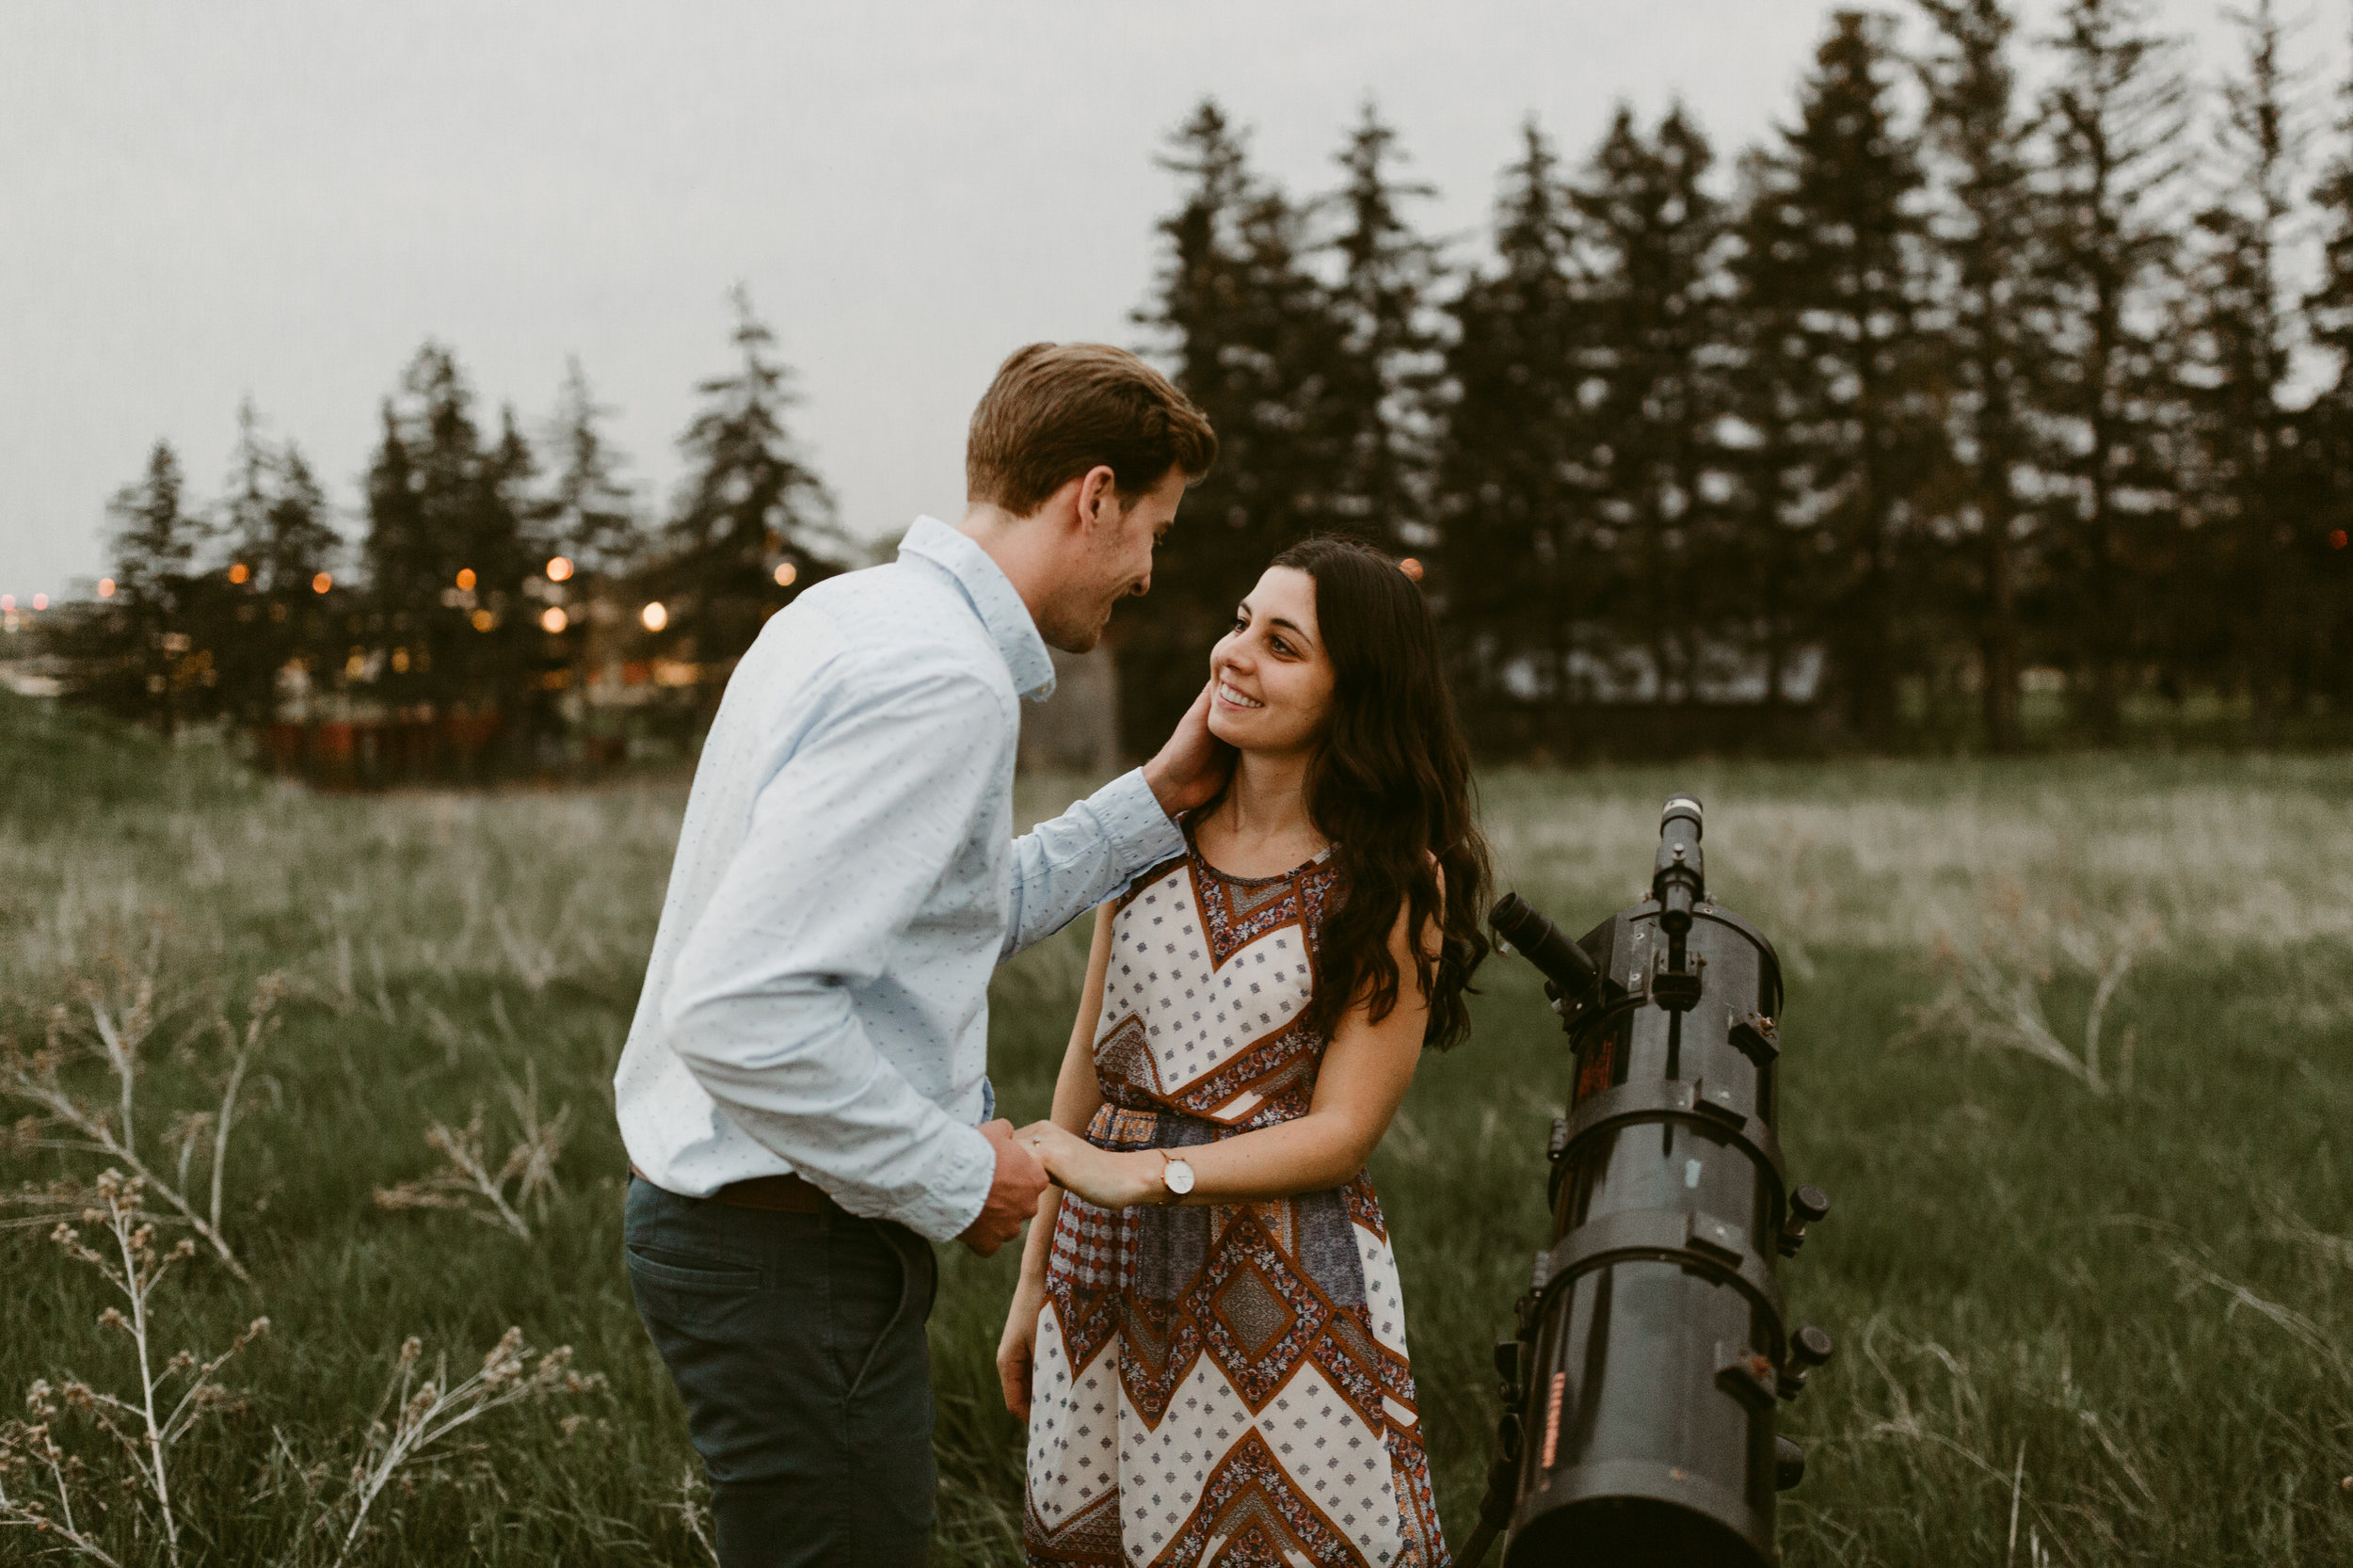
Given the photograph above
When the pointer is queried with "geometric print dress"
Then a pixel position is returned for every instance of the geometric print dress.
(1222, 1385)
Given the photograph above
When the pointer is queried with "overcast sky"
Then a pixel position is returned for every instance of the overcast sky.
(202, 202)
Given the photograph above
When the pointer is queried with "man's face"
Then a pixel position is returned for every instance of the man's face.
(1117, 563)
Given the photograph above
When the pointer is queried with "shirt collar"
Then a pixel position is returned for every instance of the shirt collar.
(993, 598)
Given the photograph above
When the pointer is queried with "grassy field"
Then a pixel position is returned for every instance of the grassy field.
(2087, 1314)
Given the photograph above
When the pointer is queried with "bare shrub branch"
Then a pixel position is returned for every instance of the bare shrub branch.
(412, 1417)
(118, 1034)
(144, 1424)
(469, 1185)
(1994, 986)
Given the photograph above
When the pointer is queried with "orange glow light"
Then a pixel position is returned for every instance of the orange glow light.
(465, 580)
(8, 604)
(559, 569)
(238, 573)
(320, 584)
(483, 621)
(554, 620)
(654, 617)
(2336, 540)
(786, 572)
(41, 601)
(105, 587)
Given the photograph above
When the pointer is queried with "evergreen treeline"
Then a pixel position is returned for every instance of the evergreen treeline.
(1997, 370)
(1990, 360)
(496, 573)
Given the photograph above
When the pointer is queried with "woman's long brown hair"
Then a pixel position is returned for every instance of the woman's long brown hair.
(1391, 789)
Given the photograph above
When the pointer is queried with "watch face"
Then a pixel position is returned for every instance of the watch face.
(1179, 1175)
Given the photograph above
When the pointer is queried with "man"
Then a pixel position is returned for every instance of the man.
(806, 1070)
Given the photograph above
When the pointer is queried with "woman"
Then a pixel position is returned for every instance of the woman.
(1208, 1339)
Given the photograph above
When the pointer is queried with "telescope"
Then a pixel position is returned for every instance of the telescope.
(1651, 1350)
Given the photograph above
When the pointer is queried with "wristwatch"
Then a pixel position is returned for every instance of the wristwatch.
(1176, 1174)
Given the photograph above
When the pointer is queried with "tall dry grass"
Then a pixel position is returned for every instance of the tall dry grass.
(2079, 1327)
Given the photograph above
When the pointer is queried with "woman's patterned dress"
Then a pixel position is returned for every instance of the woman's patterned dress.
(1226, 1385)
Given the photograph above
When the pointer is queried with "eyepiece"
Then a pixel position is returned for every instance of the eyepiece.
(1565, 964)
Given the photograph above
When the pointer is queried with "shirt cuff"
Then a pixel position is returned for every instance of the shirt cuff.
(1142, 835)
(957, 1190)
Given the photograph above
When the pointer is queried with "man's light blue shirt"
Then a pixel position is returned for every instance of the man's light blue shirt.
(846, 878)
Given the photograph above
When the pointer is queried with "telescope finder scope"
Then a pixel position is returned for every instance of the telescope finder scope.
(1678, 876)
(1569, 967)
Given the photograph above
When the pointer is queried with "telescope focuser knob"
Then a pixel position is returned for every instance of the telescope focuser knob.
(1788, 1465)
(1809, 1347)
(1808, 1205)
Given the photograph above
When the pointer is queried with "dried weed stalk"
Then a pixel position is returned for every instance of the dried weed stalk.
(471, 1186)
(121, 1026)
(412, 1417)
(147, 1423)
(1993, 993)
(695, 1511)
(2197, 1271)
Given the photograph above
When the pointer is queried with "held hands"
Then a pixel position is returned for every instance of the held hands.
(1194, 763)
(1104, 1178)
(1012, 1198)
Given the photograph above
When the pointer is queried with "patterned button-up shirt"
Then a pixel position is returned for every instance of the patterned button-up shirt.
(818, 997)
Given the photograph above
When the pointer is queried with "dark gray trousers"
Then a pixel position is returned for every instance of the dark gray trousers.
(797, 1342)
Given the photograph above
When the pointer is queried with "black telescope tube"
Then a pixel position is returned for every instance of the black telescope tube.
(1568, 965)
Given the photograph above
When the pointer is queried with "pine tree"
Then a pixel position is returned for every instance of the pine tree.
(1652, 391)
(593, 516)
(449, 544)
(2118, 113)
(244, 507)
(2329, 422)
(1249, 335)
(274, 518)
(299, 540)
(1383, 377)
(1866, 426)
(754, 525)
(143, 659)
(2251, 498)
(1516, 573)
(1785, 542)
(1995, 311)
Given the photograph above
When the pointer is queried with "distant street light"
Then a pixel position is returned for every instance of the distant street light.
(786, 572)
(654, 616)
(483, 621)
(559, 569)
(41, 601)
(554, 620)
(465, 580)
(239, 572)
(105, 587)
(320, 584)
(8, 603)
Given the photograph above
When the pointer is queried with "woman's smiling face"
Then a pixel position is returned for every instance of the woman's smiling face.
(1271, 679)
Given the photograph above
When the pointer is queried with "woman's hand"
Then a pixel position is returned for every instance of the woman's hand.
(1016, 1350)
(1105, 1179)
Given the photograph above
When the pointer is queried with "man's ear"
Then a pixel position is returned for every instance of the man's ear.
(1098, 498)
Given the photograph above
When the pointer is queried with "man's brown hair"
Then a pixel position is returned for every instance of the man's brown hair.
(1058, 409)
